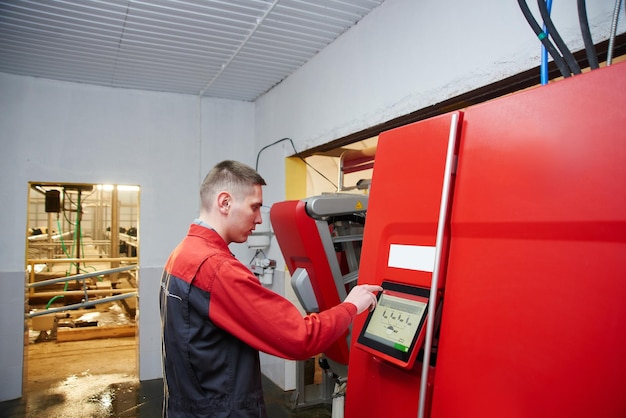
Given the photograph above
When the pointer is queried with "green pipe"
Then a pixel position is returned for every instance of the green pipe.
(51, 301)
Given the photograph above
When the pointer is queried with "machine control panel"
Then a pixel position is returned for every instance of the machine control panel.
(395, 330)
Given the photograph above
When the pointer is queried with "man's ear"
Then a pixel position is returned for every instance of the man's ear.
(224, 200)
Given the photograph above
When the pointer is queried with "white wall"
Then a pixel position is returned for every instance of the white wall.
(404, 56)
(65, 132)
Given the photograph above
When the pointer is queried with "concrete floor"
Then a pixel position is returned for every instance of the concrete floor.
(98, 378)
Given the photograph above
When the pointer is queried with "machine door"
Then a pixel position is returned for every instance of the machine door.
(404, 232)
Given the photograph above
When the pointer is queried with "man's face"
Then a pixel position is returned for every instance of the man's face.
(244, 215)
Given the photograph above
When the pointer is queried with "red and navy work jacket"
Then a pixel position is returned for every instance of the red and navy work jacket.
(216, 317)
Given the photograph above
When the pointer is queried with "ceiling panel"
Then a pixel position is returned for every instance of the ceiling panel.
(234, 49)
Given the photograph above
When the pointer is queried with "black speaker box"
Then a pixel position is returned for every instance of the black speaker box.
(53, 201)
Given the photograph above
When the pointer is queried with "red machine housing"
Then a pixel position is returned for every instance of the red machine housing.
(533, 275)
(302, 247)
(404, 209)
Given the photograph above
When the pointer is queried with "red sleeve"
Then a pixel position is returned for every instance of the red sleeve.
(268, 322)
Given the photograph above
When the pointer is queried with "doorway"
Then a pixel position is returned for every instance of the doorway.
(82, 258)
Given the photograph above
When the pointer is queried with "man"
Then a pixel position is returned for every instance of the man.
(216, 316)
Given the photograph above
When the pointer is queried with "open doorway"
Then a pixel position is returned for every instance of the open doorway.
(82, 252)
(324, 174)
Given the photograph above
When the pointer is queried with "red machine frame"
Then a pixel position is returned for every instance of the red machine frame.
(533, 257)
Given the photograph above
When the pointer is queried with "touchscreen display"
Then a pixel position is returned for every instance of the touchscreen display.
(396, 319)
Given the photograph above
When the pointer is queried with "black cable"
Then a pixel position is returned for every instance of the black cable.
(590, 48)
(558, 60)
(254, 256)
(66, 210)
(256, 167)
(567, 54)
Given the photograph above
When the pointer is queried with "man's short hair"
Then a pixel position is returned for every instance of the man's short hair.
(231, 176)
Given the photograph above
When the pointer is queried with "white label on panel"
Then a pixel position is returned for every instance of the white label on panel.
(412, 257)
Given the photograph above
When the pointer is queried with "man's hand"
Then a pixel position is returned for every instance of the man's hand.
(362, 297)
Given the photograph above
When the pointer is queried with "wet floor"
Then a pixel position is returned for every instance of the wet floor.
(98, 378)
(90, 396)
(99, 396)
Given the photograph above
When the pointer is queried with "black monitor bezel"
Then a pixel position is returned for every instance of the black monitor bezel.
(374, 345)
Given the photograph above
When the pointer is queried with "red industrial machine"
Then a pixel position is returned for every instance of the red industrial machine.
(499, 235)
(320, 238)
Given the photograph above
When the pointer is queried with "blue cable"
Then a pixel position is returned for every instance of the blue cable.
(544, 52)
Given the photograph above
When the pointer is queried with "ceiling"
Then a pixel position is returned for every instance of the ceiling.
(233, 49)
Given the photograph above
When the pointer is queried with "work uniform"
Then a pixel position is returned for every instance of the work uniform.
(216, 316)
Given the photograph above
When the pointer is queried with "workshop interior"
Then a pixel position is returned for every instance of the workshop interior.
(495, 222)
